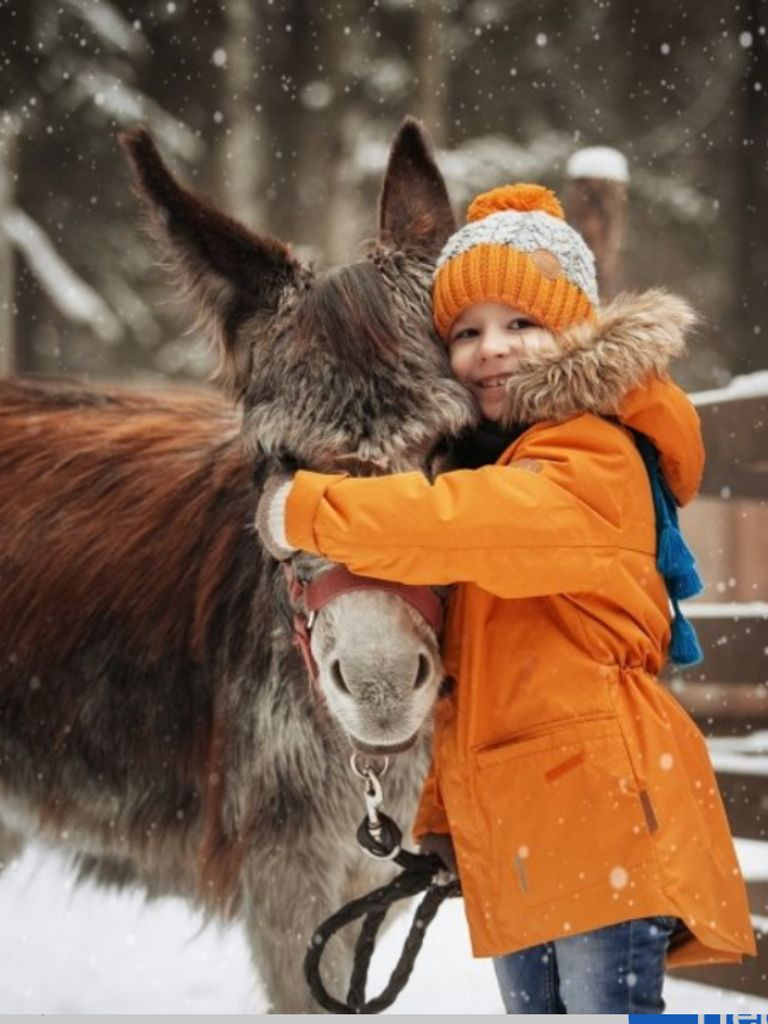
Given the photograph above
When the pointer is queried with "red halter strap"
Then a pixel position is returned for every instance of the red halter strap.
(325, 588)
(316, 594)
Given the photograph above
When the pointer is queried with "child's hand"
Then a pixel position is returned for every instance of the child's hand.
(441, 844)
(270, 517)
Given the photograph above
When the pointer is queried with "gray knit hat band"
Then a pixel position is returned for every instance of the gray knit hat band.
(527, 232)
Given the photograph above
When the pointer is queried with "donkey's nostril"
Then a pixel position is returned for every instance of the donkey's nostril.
(422, 672)
(337, 676)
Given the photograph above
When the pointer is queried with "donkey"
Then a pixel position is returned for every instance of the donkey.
(156, 717)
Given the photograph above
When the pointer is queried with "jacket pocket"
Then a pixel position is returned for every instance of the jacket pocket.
(561, 811)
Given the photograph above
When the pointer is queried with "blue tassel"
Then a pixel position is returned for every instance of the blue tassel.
(685, 585)
(674, 559)
(673, 556)
(684, 646)
(676, 564)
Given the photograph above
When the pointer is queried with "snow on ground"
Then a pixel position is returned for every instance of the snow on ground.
(82, 950)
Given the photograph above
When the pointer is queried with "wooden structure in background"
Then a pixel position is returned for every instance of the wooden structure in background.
(596, 204)
(728, 693)
(727, 527)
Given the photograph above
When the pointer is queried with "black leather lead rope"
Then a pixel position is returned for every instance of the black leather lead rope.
(417, 877)
(380, 837)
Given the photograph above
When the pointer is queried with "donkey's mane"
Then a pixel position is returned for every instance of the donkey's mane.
(124, 493)
(349, 311)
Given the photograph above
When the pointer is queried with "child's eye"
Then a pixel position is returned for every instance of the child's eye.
(467, 332)
(520, 324)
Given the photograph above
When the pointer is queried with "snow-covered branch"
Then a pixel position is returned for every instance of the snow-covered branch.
(76, 299)
(109, 25)
(128, 106)
(748, 385)
(481, 162)
(486, 161)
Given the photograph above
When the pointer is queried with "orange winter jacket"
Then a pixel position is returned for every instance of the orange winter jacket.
(576, 789)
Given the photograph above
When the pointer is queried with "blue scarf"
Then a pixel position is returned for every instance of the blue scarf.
(673, 558)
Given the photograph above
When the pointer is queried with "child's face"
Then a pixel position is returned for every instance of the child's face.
(486, 342)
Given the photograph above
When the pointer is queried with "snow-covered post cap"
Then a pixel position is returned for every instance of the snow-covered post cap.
(598, 162)
(595, 203)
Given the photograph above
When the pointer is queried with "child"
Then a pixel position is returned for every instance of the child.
(589, 835)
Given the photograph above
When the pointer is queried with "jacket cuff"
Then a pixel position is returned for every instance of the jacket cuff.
(304, 499)
(270, 517)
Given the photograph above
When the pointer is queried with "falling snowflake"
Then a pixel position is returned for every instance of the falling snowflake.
(618, 878)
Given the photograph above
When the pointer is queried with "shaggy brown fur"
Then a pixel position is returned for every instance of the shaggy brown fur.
(597, 364)
(120, 511)
(155, 718)
(194, 486)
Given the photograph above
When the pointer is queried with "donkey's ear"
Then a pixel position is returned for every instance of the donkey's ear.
(230, 271)
(414, 211)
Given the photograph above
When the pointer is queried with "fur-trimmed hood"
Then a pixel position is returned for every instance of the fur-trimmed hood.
(598, 363)
(617, 366)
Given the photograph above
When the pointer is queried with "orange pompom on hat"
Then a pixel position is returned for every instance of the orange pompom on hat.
(516, 248)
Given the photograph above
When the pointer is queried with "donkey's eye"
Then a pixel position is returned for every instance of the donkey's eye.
(287, 462)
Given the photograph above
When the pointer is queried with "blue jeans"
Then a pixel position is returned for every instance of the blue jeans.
(617, 969)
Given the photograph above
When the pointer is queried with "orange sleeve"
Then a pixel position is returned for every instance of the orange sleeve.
(548, 522)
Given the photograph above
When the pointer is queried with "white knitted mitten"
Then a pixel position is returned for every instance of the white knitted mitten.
(270, 517)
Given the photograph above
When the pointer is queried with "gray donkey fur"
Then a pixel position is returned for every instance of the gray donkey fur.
(155, 719)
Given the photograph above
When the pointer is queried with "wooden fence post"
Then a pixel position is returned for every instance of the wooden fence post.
(595, 202)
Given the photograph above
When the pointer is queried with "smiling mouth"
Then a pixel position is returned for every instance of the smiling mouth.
(383, 748)
(492, 383)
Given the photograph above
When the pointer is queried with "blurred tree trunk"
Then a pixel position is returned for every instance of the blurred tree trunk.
(430, 67)
(241, 151)
(308, 93)
(750, 266)
(8, 136)
(288, 62)
(329, 138)
(341, 217)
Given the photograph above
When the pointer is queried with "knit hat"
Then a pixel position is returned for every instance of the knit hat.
(517, 249)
